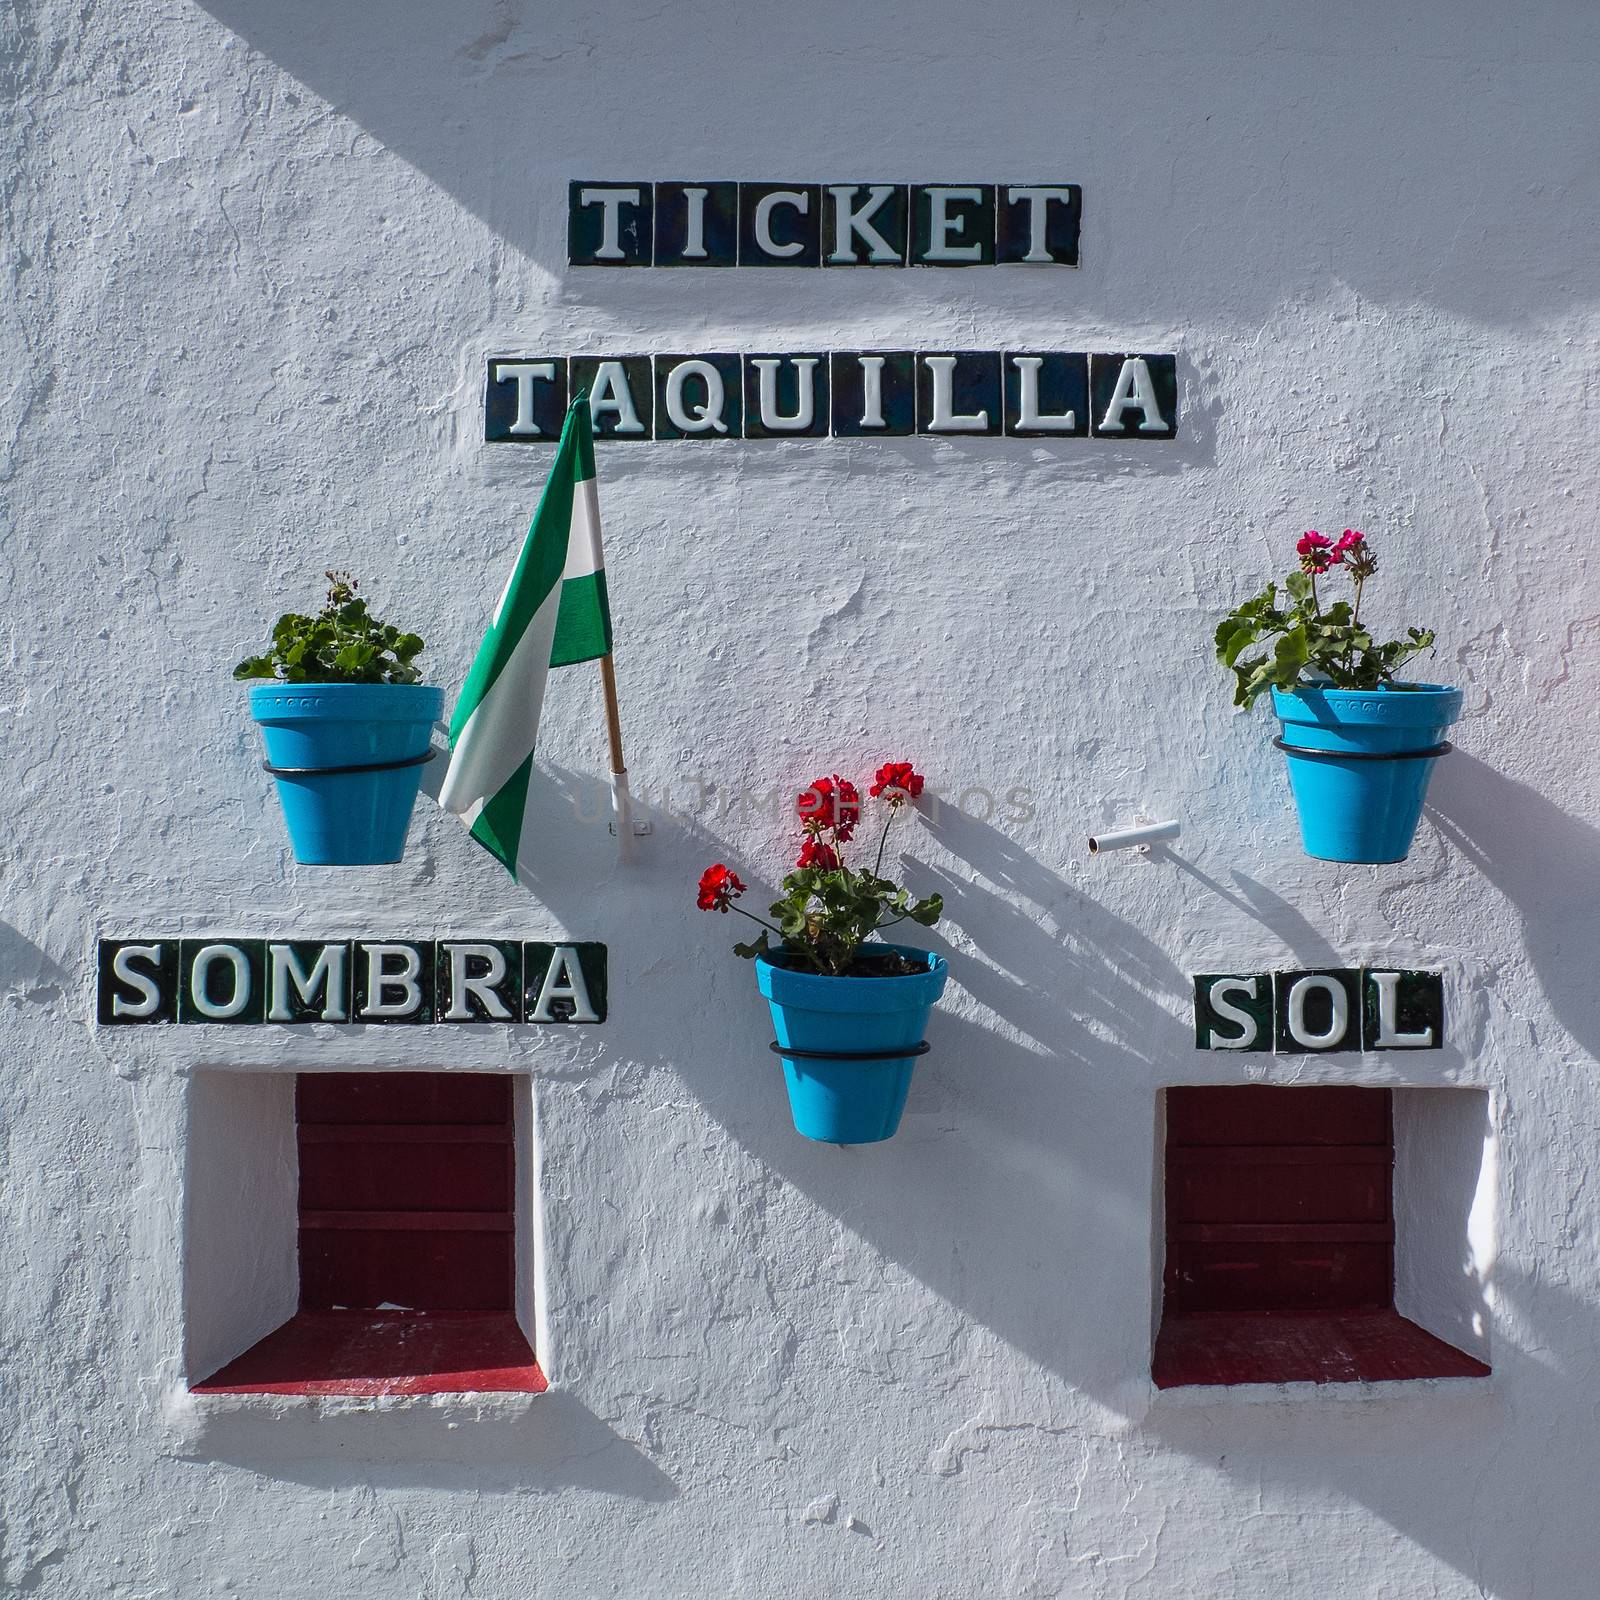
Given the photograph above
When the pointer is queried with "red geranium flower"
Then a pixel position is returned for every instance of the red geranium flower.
(813, 853)
(1348, 540)
(830, 803)
(898, 782)
(718, 888)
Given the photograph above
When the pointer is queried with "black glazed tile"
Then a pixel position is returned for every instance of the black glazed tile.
(1038, 224)
(525, 399)
(697, 224)
(859, 399)
(1249, 993)
(878, 238)
(789, 378)
(538, 959)
(295, 965)
(475, 960)
(222, 980)
(148, 989)
(1057, 384)
(621, 392)
(966, 238)
(393, 980)
(972, 406)
(695, 390)
(1144, 391)
(620, 210)
(1415, 1015)
(1318, 1007)
(794, 232)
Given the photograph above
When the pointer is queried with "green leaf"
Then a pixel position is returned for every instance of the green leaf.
(756, 947)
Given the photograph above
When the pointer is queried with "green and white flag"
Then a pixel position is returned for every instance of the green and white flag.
(553, 613)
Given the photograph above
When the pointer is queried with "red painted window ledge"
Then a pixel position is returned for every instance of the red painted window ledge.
(1368, 1346)
(379, 1353)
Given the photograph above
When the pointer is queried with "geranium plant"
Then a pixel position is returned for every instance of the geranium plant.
(1306, 642)
(343, 643)
(829, 909)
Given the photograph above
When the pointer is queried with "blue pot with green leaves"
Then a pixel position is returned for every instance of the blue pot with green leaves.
(347, 759)
(347, 726)
(1359, 764)
(849, 1045)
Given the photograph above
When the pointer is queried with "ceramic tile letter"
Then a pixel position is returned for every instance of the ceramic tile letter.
(609, 224)
(697, 224)
(621, 395)
(525, 399)
(222, 980)
(393, 981)
(564, 982)
(1047, 395)
(952, 225)
(864, 224)
(780, 225)
(138, 981)
(1036, 224)
(308, 981)
(874, 393)
(1402, 1010)
(1133, 396)
(1233, 1011)
(959, 392)
(1318, 1011)
(785, 397)
(699, 397)
(478, 980)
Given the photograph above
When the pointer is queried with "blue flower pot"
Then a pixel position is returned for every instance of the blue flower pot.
(843, 1101)
(1359, 764)
(347, 819)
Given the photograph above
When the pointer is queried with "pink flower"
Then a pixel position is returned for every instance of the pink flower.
(1348, 540)
(1316, 553)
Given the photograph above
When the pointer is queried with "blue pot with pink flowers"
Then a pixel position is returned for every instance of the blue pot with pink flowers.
(1359, 764)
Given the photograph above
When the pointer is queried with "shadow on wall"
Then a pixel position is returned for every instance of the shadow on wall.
(1009, 1122)
(1547, 865)
(549, 1443)
(1011, 1175)
(473, 95)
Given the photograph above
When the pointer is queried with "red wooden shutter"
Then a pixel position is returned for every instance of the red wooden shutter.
(1279, 1200)
(406, 1191)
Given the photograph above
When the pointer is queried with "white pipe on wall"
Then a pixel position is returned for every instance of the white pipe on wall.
(1140, 837)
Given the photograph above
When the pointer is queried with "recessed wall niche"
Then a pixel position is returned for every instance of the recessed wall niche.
(1324, 1234)
(367, 1233)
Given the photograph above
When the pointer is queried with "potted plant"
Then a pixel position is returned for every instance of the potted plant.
(347, 728)
(849, 1011)
(1361, 746)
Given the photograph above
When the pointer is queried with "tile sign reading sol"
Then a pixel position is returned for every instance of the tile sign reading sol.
(350, 980)
(1343, 1008)
(839, 394)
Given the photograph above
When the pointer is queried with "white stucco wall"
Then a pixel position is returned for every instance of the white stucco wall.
(254, 253)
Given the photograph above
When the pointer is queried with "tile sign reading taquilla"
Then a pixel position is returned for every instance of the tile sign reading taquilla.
(839, 394)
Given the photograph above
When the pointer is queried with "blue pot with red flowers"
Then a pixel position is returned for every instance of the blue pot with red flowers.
(850, 1011)
(1361, 746)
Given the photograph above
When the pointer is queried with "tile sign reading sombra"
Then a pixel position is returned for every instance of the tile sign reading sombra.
(1344, 1008)
(350, 980)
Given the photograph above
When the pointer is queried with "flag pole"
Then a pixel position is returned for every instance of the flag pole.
(621, 802)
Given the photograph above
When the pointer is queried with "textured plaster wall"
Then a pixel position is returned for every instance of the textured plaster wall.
(253, 254)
